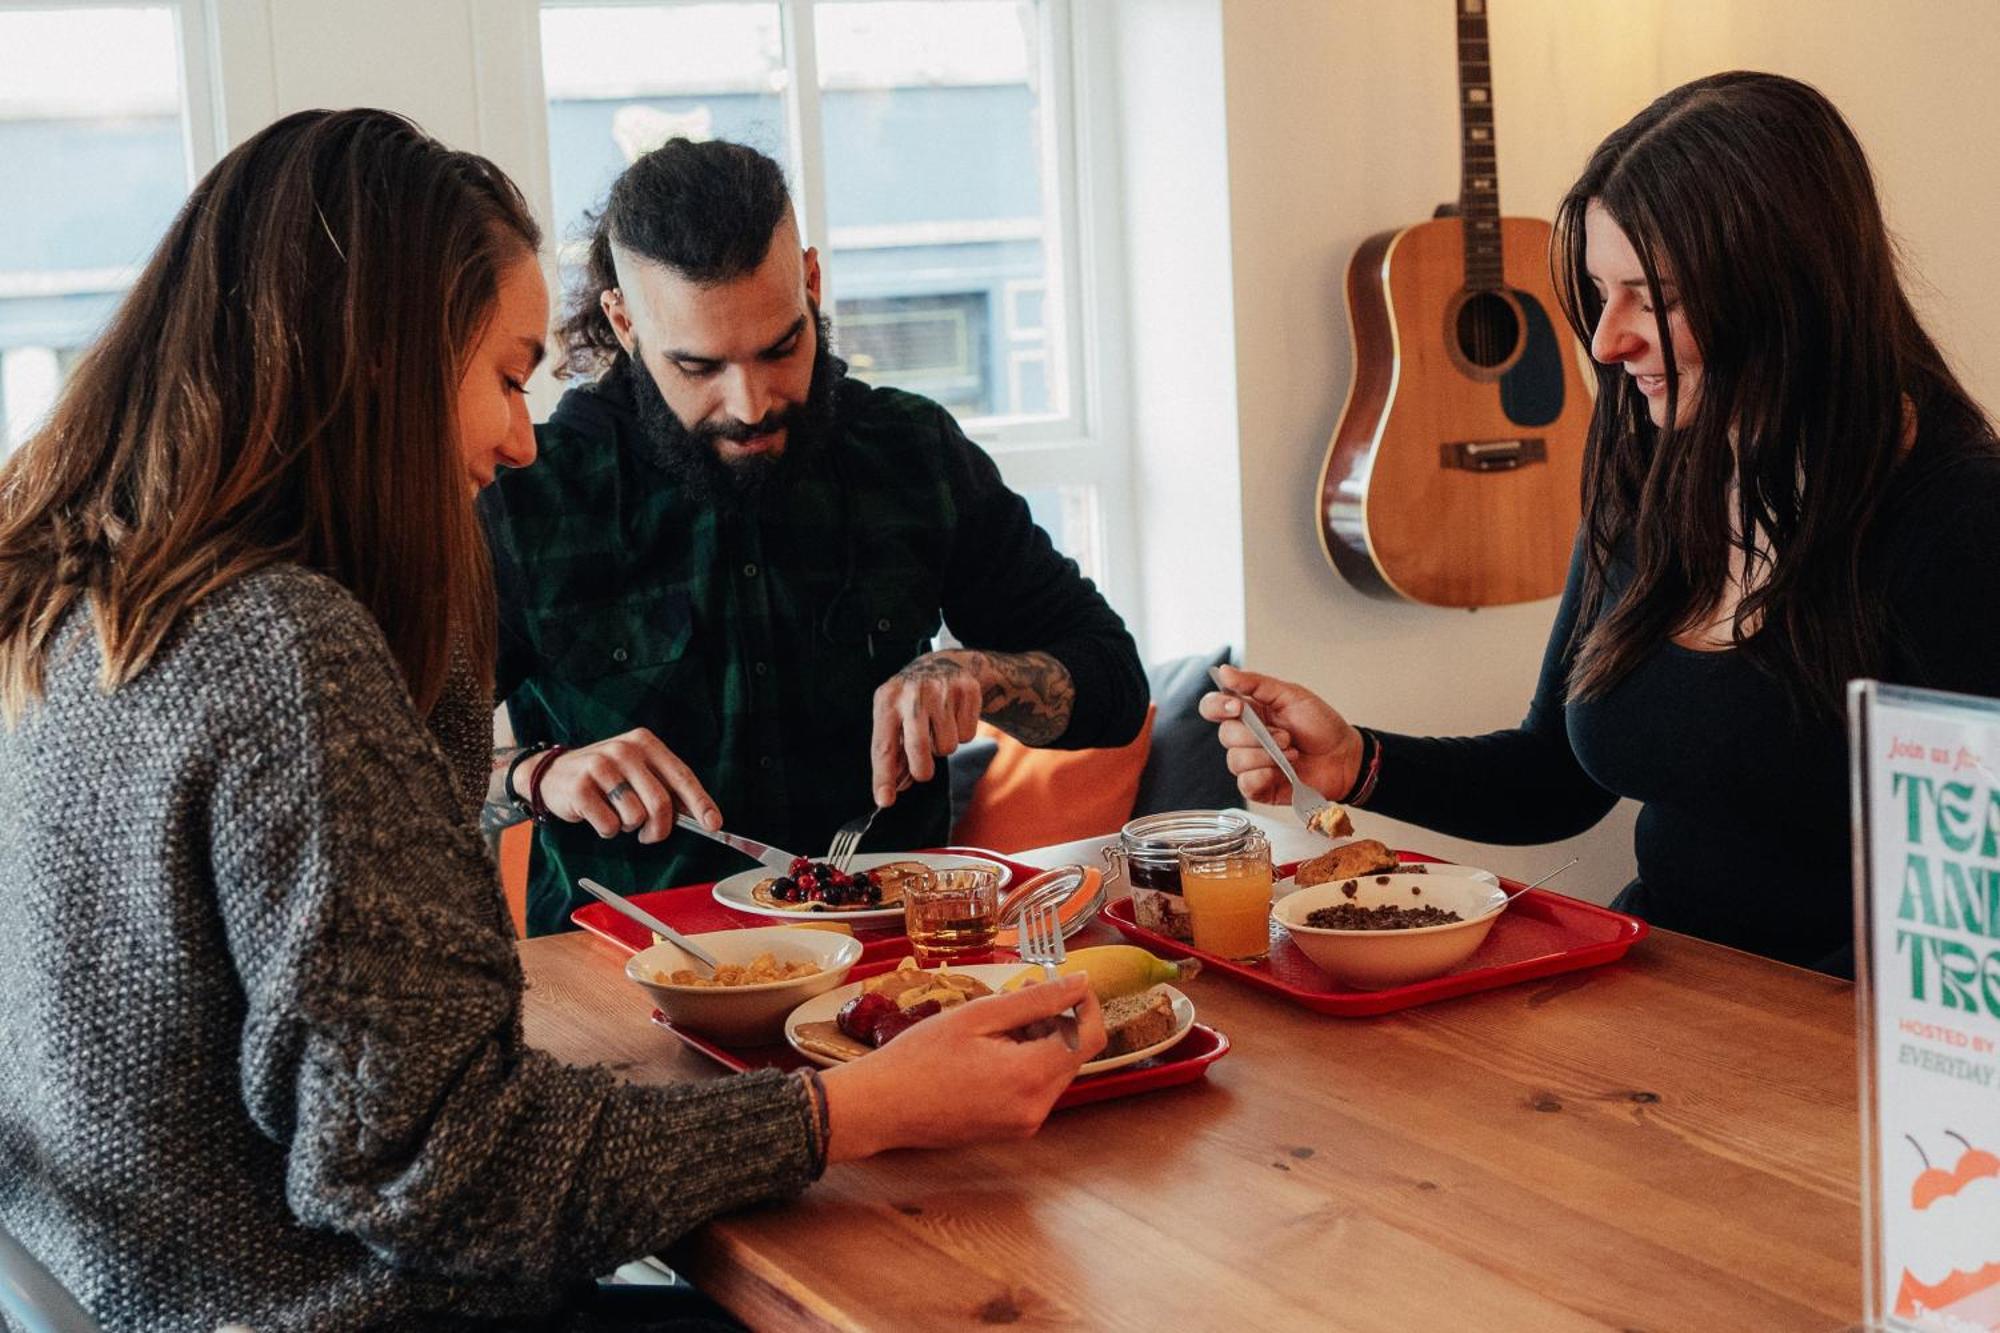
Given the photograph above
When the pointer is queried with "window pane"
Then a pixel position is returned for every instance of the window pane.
(92, 150)
(624, 79)
(932, 119)
(1069, 515)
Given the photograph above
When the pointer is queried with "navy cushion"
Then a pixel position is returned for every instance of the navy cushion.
(968, 764)
(1186, 770)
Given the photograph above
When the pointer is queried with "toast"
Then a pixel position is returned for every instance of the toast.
(1350, 860)
(1134, 1022)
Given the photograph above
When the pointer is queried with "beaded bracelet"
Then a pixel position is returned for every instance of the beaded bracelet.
(1367, 771)
(817, 1126)
(536, 810)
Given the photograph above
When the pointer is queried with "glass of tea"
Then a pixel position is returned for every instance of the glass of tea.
(952, 915)
(1228, 895)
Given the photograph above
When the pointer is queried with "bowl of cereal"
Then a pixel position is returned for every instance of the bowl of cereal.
(765, 973)
(1377, 931)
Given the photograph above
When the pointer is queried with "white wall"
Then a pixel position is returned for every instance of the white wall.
(1342, 122)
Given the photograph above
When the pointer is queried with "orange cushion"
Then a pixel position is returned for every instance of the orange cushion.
(517, 846)
(1033, 798)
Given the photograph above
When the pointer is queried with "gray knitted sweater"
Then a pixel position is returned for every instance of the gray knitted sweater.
(262, 1056)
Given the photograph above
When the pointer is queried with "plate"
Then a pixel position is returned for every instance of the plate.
(824, 1008)
(735, 891)
(1288, 884)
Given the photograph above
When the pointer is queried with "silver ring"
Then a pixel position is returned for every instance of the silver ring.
(619, 792)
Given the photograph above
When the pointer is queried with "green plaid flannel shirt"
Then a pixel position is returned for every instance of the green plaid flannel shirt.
(751, 640)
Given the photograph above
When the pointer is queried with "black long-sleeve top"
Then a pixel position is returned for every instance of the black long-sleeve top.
(1743, 836)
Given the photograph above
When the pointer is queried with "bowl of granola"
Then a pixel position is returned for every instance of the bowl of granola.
(765, 973)
(1373, 932)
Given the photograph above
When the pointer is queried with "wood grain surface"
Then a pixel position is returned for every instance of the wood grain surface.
(1669, 1142)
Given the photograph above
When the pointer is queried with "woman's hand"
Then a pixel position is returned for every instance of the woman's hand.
(961, 1077)
(1322, 745)
(629, 783)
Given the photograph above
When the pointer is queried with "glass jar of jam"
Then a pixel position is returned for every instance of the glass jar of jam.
(1148, 856)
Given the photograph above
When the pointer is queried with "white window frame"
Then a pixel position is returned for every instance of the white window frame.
(1081, 445)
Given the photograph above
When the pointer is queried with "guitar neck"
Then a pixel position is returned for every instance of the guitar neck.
(1479, 177)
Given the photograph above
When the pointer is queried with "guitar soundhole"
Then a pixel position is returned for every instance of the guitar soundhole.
(1488, 329)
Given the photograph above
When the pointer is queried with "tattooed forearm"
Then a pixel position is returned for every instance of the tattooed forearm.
(499, 811)
(1027, 695)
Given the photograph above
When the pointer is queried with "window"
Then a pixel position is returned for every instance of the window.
(927, 144)
(96, 155)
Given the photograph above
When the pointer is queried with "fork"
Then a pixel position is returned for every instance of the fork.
(1304, 806)
(1042, 942)
(847, 838)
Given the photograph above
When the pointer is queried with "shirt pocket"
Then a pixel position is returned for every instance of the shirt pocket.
(628, 662)
(869, 635)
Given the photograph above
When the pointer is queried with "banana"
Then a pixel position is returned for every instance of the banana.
(1114, 970)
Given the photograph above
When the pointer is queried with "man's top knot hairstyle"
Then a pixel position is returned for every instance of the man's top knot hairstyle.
(706, 210)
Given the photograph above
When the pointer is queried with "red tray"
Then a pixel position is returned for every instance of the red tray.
(1183, 1063)
(1540, 934)
(692, 909)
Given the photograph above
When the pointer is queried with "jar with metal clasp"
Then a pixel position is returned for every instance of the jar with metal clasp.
(1147, 855)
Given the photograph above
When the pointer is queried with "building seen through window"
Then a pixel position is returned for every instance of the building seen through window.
(932, 148)
(93, 152)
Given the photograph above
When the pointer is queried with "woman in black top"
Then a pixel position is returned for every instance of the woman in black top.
(1786, 488)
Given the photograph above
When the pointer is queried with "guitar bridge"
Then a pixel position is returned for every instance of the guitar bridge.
(1493, 455)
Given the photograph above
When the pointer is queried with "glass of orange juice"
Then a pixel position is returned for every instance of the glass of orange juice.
(1228, 897)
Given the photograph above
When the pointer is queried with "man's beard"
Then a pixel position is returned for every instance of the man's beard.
(690, 454)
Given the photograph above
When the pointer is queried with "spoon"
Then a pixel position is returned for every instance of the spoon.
(1525, 887)
(625, 906)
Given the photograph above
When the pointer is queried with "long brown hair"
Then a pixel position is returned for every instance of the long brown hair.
(279, 385)
(1752, 194)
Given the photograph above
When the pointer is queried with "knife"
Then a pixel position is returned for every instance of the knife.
(771, 857)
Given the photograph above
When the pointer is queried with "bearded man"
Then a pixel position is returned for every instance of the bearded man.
(721, 582)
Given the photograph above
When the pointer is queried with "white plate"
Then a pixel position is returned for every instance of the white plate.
(825, 1008)
(735, 890)
(1289, 885)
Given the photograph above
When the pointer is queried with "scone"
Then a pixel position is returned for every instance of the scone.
(1134, 1022)
(1364, 856)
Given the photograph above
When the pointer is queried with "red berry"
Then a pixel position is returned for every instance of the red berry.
(859, 1016)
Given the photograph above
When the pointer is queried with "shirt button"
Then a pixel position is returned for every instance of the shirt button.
(882, 625)
(761, 668)
(765, 762)
(618, 654)
(749, 571)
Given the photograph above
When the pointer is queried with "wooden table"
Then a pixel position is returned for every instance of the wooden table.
(1666, 1143)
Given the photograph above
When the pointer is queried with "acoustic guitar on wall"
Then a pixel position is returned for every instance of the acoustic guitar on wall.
(1453, 476)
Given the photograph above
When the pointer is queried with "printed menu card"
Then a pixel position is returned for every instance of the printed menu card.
(1927, 890)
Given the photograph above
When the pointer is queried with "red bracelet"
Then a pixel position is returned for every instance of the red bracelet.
(536, 810)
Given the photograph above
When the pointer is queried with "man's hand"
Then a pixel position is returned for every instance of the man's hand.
(629, 783)
(933, 706)
(929, 708)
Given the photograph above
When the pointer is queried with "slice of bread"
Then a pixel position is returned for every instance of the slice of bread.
(1364, 856)
(1134, 1022)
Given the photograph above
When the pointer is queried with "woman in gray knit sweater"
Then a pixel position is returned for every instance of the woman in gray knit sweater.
(263, 1058)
